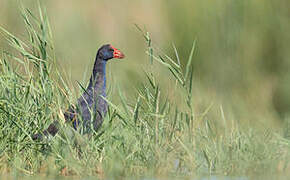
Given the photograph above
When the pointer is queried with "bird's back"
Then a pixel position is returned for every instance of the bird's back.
(90, 110)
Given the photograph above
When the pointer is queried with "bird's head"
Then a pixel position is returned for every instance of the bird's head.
(107, 52)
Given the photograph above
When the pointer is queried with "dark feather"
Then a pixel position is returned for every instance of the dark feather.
(91, 107)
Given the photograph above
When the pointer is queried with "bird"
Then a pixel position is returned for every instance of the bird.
(91, 107)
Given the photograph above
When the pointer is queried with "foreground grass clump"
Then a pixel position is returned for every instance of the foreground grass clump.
(154, 132)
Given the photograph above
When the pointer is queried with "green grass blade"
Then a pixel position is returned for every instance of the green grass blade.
(189, 60)
(123, 102)
(136, 110)
(176, 54)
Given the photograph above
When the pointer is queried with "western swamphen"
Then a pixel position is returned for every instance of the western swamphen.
(91, 107)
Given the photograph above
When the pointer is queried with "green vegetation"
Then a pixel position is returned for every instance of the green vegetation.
(150, 131)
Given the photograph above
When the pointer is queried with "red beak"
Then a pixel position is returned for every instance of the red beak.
(117, 53)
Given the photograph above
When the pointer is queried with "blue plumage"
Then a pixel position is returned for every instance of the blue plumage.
(91, 107)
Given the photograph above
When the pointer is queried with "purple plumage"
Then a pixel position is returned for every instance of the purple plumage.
(91, 107)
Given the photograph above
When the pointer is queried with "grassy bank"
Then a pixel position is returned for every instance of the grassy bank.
(163, 129)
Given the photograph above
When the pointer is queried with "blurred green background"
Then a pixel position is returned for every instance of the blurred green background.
(242, 58)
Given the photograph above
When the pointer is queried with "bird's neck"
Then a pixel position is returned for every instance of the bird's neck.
(98, 78)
